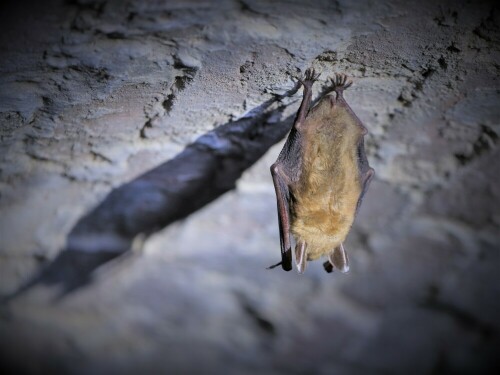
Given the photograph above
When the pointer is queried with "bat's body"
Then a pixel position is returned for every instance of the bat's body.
(320, 178)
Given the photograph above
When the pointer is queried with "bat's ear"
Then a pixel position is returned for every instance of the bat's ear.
(333, 100)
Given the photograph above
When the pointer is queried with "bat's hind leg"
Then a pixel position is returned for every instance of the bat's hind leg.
(307, 82)
(328, 266)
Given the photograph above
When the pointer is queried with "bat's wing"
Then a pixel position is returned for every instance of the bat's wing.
(283, 201)
(367, 177)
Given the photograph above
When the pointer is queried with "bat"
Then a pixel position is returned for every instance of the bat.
(320, 178)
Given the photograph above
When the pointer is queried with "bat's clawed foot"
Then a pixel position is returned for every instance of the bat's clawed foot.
(309, 78)
(340, 83)
(328, 267)
(274, 265)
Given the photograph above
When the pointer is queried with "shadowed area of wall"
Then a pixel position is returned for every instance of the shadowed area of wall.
(201, 173)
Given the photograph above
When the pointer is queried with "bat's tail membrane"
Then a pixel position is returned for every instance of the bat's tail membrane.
(339, 259)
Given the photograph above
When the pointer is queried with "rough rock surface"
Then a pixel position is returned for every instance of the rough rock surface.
(125, 127)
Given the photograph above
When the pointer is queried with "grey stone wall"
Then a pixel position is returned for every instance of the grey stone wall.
(138, 214)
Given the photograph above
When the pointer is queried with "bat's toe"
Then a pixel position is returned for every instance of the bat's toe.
(328, 267)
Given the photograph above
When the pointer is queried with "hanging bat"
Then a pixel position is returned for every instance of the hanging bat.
(320, 178)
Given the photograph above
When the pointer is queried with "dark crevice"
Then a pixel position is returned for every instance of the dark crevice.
(410, 93)
(489, 30)
(427, 72)
(442, 63)
(147, 125)
(98, 74)
(453, 48)
(406, 102)
(246, 8)
(168, 103)
(180, 83)
(486, 140)
(117, 35)
(264, 324)
(328, 56)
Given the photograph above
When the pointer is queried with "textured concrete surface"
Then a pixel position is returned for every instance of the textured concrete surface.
(137, 205)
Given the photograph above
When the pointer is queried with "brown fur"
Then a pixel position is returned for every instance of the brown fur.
(329, 186)
(320, 177)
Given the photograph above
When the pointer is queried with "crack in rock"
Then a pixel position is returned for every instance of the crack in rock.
(163, 104)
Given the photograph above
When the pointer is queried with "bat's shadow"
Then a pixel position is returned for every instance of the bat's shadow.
(202, 172)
